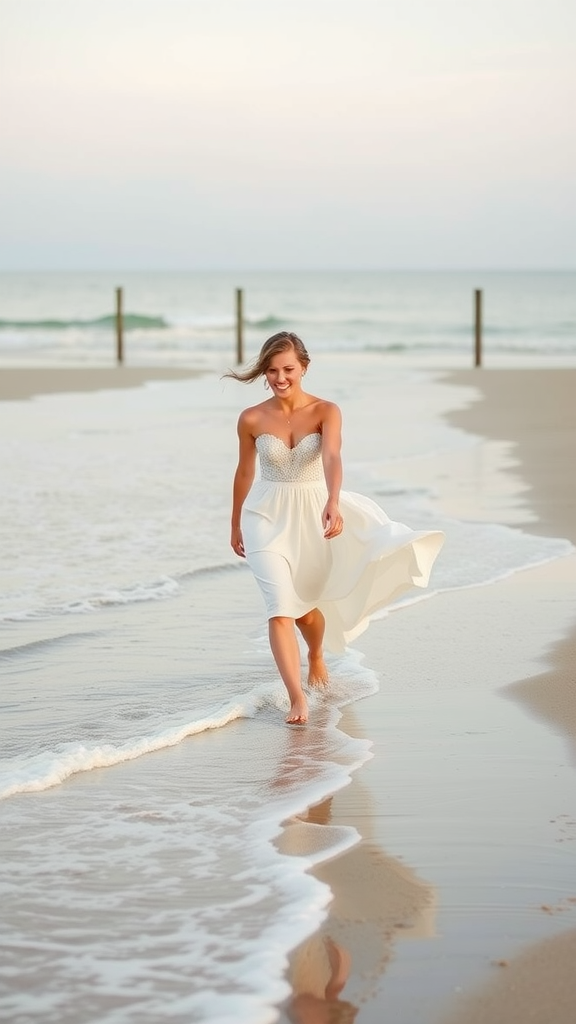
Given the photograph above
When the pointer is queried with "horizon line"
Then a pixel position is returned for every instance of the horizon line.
(290, 270)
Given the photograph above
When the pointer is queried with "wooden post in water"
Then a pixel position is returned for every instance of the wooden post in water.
(239, 327)
(119, 328)
(478, 327)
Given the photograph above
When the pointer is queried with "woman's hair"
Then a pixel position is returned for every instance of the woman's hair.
(277, 343)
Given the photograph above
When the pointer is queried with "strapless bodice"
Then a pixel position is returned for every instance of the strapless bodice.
(372, 562)
(300, 464)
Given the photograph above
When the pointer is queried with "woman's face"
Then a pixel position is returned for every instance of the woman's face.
(284, 373)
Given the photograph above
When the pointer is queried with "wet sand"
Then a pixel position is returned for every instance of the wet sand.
(459, 904)
(537, 410)
(19, 383)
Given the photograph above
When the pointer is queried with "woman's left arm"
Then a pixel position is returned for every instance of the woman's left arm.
(332, 522)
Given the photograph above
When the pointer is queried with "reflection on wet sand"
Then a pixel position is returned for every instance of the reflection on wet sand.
(376, 899)
(319, 973)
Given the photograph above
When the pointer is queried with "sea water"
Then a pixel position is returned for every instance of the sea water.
(188, 318)
(145, 767)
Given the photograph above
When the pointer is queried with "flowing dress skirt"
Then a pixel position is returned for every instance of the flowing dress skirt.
(349, 578)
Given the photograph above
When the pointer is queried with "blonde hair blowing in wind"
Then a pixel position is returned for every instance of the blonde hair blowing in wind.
(272, 347)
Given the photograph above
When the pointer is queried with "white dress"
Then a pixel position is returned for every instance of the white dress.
(349, 577)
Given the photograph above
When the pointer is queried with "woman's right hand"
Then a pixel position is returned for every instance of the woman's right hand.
(237, 541)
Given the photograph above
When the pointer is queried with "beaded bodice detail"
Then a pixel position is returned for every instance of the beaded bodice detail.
(300, 464)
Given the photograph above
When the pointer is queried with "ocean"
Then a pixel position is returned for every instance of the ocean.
(145, 770)
(189, 317)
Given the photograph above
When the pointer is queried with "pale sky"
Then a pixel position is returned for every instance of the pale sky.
(208, 134)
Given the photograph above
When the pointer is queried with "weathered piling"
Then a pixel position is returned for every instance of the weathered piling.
(119, 327)
(239, 326)
(478, 327)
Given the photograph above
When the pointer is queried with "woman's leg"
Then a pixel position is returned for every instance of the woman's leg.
(311, 626)
(286, 652)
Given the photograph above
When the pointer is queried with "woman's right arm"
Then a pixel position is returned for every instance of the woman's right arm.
(243, 479)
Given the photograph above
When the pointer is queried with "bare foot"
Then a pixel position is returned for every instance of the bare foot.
(298, 712)
(317, 671)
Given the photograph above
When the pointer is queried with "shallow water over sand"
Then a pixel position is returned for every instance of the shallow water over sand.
(137, 826)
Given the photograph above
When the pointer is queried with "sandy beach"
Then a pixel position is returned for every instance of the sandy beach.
(459, 903)
(536, 410)
(19, 383)
(442, 912)
(287, 737)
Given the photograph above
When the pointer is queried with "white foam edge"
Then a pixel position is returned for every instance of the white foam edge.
(52, 768)
(304, 898)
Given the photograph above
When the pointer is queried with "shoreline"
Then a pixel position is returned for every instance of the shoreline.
(518, 637)
(544, 446)
(419, 909)
(536, 410)
(538, 984)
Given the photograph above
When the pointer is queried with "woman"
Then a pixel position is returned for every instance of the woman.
(325, 560)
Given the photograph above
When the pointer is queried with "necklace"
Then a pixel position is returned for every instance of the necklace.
(295, 410)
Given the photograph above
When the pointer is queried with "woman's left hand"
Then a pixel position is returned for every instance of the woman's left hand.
(332, 522)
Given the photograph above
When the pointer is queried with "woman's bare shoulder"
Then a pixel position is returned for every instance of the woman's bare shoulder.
(328, 410)
(250, 418)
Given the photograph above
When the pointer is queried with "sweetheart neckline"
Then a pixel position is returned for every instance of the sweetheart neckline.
(313, 433)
